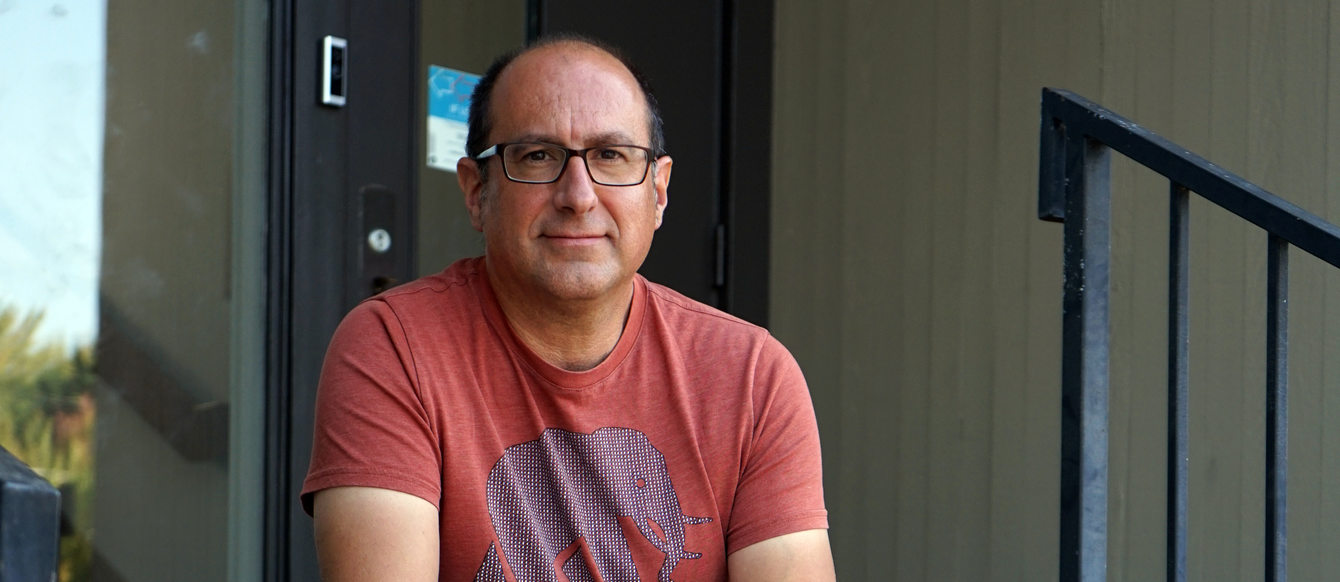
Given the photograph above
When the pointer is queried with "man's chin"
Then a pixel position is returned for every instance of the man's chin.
(582, 281)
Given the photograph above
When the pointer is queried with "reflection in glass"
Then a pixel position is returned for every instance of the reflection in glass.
(52, 60)
(131, 278)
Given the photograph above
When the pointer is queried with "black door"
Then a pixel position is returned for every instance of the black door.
(342, 185)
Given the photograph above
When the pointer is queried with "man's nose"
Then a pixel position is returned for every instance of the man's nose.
(576, 190)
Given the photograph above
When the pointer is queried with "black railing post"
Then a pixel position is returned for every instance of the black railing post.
(1277, 408)
(1179, 338)
(1084, 362)
(1052, 170)
(29, 523)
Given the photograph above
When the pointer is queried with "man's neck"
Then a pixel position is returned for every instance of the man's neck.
(574, 335)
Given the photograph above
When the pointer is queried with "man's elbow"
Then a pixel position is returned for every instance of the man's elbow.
(800, 556)
(375, 534)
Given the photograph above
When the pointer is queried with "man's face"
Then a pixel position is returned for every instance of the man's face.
(572, 239)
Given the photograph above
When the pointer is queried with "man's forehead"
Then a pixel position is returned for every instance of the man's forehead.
(567, 54)
(569, 83)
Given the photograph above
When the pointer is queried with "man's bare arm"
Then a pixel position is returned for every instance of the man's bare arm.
(801, 556)
(365, 534)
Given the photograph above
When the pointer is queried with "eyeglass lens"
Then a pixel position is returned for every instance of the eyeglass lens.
(608, 165)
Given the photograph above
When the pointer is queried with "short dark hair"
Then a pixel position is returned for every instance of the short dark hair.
(481, 106)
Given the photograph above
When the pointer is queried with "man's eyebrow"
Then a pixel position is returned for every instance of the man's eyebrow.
(611, 138)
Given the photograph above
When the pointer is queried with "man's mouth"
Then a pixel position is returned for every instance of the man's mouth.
(574, 238)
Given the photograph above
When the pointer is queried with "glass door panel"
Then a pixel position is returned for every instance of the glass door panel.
(132, 146)
(464, 36)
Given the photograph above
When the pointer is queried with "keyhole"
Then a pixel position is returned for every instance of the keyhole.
(379, 240)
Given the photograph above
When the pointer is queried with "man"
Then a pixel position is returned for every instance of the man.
(544, 409)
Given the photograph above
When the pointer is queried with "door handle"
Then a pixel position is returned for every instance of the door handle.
(377, 262)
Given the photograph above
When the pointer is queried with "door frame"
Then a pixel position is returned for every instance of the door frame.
(334, 171)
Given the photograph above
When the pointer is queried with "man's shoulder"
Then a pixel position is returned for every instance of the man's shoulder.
(459, 277)
(448, 298)
(696, 322)
(677, 305)
(422, 312)
(716, 340)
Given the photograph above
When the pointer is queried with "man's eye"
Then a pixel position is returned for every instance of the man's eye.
(536, 155)
(611, 155)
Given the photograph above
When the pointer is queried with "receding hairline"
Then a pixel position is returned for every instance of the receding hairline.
(572, 41)
(583, 49)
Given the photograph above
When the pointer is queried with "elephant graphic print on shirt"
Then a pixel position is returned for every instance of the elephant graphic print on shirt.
(563, 489)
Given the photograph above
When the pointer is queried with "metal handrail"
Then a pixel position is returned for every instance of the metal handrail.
(1077, 136)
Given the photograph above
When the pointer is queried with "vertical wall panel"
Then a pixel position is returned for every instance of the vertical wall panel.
(946, 444)
(1328, 368)
(812, 170)
(876, 547)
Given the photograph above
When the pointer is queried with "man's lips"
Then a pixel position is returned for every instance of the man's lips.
(572, 238)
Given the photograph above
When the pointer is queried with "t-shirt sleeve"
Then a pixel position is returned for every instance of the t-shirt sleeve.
(371, 426)
(781, 485)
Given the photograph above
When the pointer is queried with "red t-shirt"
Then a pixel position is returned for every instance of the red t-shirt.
(694, 438)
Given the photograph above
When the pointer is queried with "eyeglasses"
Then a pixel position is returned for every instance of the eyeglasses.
(543, 163)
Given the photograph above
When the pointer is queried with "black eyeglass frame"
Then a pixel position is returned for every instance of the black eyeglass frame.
(568, 153)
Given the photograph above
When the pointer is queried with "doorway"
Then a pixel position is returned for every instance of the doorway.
(344, 171)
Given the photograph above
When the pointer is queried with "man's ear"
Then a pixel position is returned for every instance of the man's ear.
(661, 181)
(472, 184)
